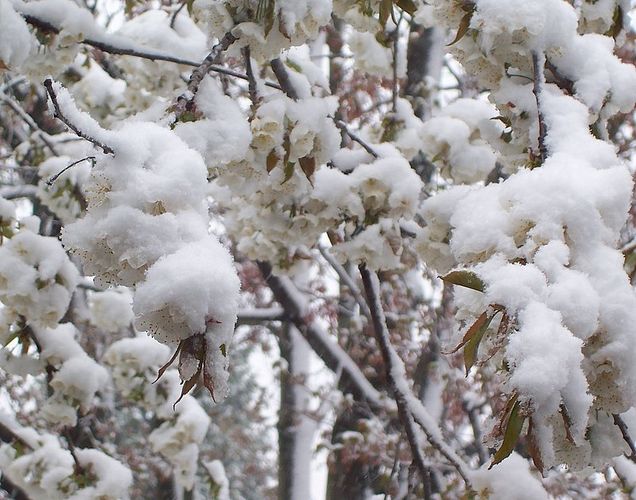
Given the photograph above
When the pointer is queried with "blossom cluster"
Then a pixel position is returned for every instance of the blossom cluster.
(542, 242)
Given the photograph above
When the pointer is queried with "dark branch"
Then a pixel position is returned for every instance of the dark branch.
(55, 177)
(352, 380)
(620, 423)
(409, 407)
(538, 62)
(283, 78)
(379, 328)
(48, 84)
(213, 58)
(150, 55)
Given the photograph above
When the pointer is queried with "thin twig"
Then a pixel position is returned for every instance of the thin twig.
(343, 126)
(252, 87)
(43, 136)
(48, 84)
(620, 423)
(52, 179)
(538, 62)
(214, 57)
(176, 13)
(346, 279)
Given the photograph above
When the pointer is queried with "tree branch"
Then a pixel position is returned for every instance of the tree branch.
(112, 48)
(334, 357)
(214, 57)
(620, 423)
(347, 280)
(48, 84)
(538, 63)
(409, 407)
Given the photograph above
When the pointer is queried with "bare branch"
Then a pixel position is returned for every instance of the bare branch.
(409, 407)
(538, 63)
(48, 84)
(620, 423)
(283, 78)
(52, 179)
(112, 48)
(343, 126)
(258, 316)
(214, 57)
(334, 357)
(347, 280)
(43, 136)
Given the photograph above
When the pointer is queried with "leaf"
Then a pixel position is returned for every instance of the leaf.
(386, 6)
(464, 24)
(289, 172)
(308, 164)
(208, 382)
(223, 350)
(407, 6)
(466, 279)
(170, 361)
(272, 160)
(567, 422)
(533, 447)
(188, 385)
(470, 333)
(617, 23)
(472, 346)
(511, 436)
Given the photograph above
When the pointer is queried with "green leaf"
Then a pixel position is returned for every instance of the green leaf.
(289, 171)
(514, 426)
(407, 6)
(464, 24)
(617, 23)
(223, 350)
(466, 279)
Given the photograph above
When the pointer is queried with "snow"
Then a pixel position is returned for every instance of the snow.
(509, 479)
(111, 310)
(15, 38)
(37, 279)
(147, 227)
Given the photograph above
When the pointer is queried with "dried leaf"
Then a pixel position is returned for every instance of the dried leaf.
(511, 436)
(407, 6)
(272, 160)
(533, 447)
(470, 333)
(308, 164)
(167, 365)
(208, 382)
(567, 422)
(386, 6)
(188, 385)
(464, 24)
(466, 279)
